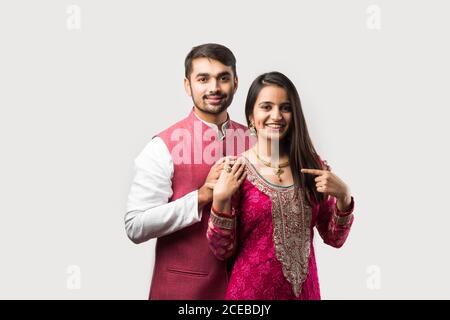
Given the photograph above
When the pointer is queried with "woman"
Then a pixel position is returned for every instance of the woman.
(266, 205)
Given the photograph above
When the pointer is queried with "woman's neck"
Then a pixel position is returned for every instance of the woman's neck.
(274, 151)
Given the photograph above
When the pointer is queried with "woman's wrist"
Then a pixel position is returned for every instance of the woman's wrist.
(221, 199)
(222, 206)
(344, 203)
(223, 220)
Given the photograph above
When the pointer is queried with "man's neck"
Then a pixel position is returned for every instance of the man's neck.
(217, 119)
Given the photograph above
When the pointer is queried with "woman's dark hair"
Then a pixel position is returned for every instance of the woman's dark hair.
(212, 51)
(297, 142)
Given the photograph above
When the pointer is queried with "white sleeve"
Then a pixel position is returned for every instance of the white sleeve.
(149, 214)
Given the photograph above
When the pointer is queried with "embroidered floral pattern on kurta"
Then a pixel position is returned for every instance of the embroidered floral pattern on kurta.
(291, 219)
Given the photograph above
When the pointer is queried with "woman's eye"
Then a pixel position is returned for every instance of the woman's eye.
(202, 79)
(286, 109)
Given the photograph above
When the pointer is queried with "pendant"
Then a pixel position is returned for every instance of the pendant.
(278, 172)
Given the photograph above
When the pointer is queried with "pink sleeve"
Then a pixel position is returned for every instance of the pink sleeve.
(221, 234)
(222, 241)
(332, 224)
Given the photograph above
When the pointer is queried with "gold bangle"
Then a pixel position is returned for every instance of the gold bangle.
(221, 222)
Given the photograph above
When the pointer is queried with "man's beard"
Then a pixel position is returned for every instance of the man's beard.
(204, 106)
(213, 109)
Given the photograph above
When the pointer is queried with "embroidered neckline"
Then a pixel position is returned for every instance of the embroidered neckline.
(291, 219)
(268, 183)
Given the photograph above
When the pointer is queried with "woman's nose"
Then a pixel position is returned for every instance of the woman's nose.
(276, 114)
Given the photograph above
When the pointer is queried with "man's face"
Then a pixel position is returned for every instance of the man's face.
(211, 85)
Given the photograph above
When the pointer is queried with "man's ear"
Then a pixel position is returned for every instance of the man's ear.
(235, 84)
(187, 87)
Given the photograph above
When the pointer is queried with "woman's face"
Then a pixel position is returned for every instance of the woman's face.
(272, 113)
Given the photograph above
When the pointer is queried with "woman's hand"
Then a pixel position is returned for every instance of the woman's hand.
(205, 193)
(330, 184)
(229, 181)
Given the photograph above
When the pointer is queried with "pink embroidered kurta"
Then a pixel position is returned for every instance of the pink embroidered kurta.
(271, 239)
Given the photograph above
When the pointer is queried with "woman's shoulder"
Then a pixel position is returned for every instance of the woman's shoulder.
(245, 157)
(325, 165)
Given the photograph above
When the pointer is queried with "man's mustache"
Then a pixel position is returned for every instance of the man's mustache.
(220, 95)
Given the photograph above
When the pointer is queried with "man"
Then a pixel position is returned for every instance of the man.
(170, 197)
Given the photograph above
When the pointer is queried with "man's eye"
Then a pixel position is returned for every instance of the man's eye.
(225, 78)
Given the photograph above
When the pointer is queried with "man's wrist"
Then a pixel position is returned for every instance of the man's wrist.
(204, 196)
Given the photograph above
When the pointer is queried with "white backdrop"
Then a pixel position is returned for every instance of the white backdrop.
(84, 85)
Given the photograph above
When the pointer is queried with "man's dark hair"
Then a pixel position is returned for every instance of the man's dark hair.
(211, 51)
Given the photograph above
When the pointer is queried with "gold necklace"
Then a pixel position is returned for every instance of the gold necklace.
(276, 168)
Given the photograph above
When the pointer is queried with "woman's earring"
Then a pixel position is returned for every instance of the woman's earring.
(252, 129)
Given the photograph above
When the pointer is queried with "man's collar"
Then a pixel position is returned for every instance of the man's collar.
(220, 133)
